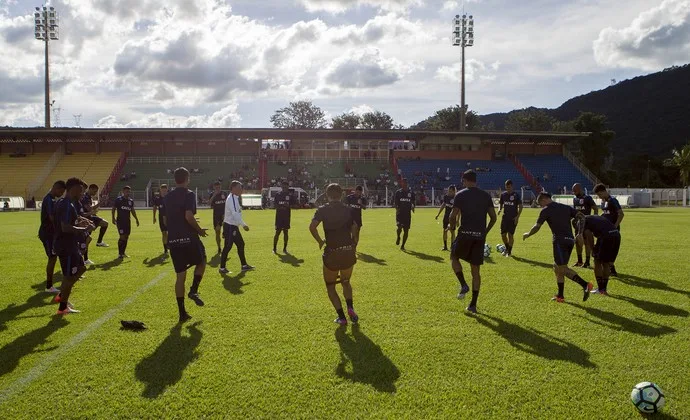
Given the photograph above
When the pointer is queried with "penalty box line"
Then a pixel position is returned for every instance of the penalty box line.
(38, 370)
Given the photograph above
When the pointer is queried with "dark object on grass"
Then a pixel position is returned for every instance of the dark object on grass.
(133, 325)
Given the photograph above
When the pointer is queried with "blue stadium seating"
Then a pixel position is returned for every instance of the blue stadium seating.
(561, 172)
(500, 170)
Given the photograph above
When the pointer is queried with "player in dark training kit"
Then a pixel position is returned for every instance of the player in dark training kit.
(184, 232)
(447, 206)
(404, 203)
(69, 228)
(218, 198)
(357, 202)
(88, 209)
(611, 210)
(471, 205)
(606, 248)
(159, 206)
(511, 204)
(559, 217)
(46, 233)
(124, 206)
(584, 204)
(339, 255)
(284, 201)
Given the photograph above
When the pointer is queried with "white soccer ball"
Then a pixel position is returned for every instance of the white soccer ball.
(500, 248)
(647, 397)
(487, 250)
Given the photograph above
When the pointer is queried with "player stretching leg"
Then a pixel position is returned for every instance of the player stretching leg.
(89, 210)
(159, 206)
(559, 217)
(46, 233)
(447, 205)
(284, 201)
(357, 203)
(471, 205)
(231, 229)
(218, 198)
(184, 232)
(611, 210)
(124, 206)
(606, 248)
(585, 205)
(404, 203)
(339, 255)
(511, 203)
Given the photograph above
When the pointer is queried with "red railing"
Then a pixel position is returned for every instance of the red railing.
(115, 174)
(526, 173)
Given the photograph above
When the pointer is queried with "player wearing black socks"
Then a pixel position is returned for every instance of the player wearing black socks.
(447, 208)
(357, 202)
(611, 210)
(511, 203)
(46, 232)
(124, 206)
(218, 198)
(404, 203)
(559, 216)
(184, 232)
(159, 206)
(91, 209)
(471, 205)
(605, 250)
(584, 204)
(284, 201)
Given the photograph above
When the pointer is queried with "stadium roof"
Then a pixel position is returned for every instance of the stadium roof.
(9, 134)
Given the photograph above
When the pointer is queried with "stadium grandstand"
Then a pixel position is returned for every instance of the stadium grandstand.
(31, 159)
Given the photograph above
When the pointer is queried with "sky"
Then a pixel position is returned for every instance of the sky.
(232, 63)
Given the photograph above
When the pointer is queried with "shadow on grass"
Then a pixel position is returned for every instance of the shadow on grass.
(57, 278)
(153, 262)
(111, 264)
(425, 257)
(164, 367)
(370, 259)
(653, 307)
(369, 364)
(12, 311)
(215, 261)
(536, 342)
(26, 344)
(620, 323)
(233, 283)
(533, 263)
(648, 283)
(290, 259)
(659, 416)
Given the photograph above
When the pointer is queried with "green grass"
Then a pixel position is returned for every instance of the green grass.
(265, 345)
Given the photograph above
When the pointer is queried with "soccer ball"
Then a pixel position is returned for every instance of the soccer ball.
(648, 397)
(500, 248)
(487, 250)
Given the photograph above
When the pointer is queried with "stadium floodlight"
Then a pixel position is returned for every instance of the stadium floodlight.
(46, 29)
(463, 37)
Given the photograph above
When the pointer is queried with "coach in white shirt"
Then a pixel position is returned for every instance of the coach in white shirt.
(231, 228)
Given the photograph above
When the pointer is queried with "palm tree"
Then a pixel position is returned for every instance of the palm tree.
(681, 161)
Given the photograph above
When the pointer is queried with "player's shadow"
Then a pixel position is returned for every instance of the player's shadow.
(41, 286)
(13, 311)
(370, 259)
(164, 367)
(154, 262)
(368, 363)
(12, 353)
(648, 284)
(534, 263)
(290, 259)
(215, 261)
(233, 283)
(489, 260)
(653, 307)
(620, 323)
(111, 264)
(425, 257)
(536, 342)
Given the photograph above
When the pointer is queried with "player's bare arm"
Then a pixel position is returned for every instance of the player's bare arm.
(492, 217)
(314, 230)
(189, 217)
(621, 215)
(532, 231)
(134, 213)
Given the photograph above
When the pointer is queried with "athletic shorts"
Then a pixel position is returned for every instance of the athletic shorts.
(218, 219)
(469, 249)
(340, 258)
(446, 221)
(508, 225)
(96, 220)
(606, 248)
(161, 225)
(189, 255)
(70, 262)
(282, 223)
(403, 220)
(48, 246)
(562, 249)
(124, 227)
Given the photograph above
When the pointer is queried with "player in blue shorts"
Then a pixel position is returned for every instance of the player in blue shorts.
(584, 204)
(357, 202)
(472, 205)
(159, 207)
(611, 210)
(559, 216)
(447, 208)
(511, 204)
(284, 201)
(606, 248)
(124, 206)
(46, 233)
(404, 203)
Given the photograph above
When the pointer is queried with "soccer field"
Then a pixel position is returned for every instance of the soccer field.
(265, 344)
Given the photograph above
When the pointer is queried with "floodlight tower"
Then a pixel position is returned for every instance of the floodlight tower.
(46, 29)
(463, 36)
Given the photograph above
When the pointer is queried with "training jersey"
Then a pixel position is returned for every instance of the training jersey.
(610, 209)
(159, 202)
(558, 217)
(123, 207)
(510, 202)
(86, 203)
(47, 230)
(474, 204)
(177, 202)
(584, 204)
(448, 205)
(218, 203)
(600, 226)
(337, 224)
(284, 201)
(404, 201)
(356, 204)
(65, 212)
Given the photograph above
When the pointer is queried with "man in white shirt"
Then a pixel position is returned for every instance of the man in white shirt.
(231, 228)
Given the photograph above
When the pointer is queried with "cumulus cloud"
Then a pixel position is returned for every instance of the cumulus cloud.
(226, 117)
(657, 38)
(340, 6)
(366, 69)
(474, 70)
